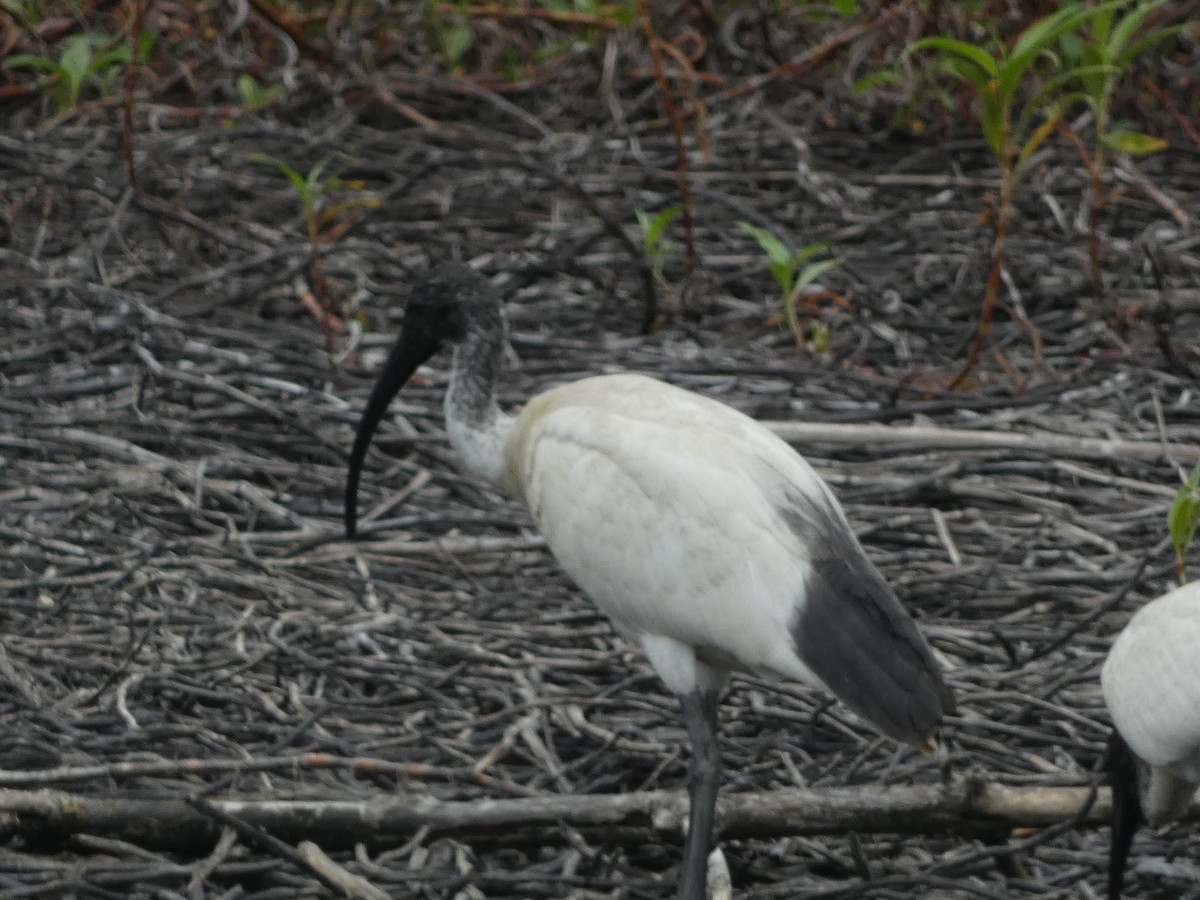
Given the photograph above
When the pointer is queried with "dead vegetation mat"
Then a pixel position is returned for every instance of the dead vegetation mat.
(180, 618)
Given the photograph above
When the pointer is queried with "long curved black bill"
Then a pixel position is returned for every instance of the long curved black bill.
(406, 357)
(1126, 808)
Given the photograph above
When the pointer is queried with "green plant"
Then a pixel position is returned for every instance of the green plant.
(84, 59)
(324, 222)
(1183, 518)
(1104, 56)
(656, 248)
(254, 95)
(793, 272)
(1008, 121)
(34, 12)
(454, 36)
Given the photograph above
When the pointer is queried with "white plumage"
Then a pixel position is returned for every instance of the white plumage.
(1151, 685)
(623, 461)
(706, 539)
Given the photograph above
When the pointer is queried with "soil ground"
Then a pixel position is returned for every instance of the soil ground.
(173, 440)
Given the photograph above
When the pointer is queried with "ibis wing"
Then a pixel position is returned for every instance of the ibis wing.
(681, 517)
(854, 634)
(661, 522)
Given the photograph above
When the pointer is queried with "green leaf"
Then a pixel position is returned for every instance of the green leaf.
(775, 249)
(1184, 516)
(456, 41)
(1135, 49)
(1134, 142)
(248, 90)
(808, 252)
(980, 58)
(1045, 32)
(143, 45)
(1040, 100)
(75, 63)
(114, 56)
(782, 271)
(1073, 47)
(1036, 139)
(30, 61)
(1181, 521)
(819, 336)
(876, 79)
(298, 181)
(654, 226)
(967, 71)
(1036, 39)
(813, 271)
(993, 119)
(845, 8)
(1128, 26)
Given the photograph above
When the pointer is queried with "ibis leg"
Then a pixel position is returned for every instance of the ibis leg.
(1127, 814)
(704, 779)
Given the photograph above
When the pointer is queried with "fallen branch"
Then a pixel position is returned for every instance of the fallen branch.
(962, 807)
(1038, 442)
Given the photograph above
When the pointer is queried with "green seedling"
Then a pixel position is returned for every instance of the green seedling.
(254, 95)
(654, 245)
(794, 270)
(324, 223)
(1104, 56)
(85, 59)
(455, 37)
(1011, 125)
(1183, 518)
(33, 12)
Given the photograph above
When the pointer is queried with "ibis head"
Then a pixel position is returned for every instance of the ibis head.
(442, 310)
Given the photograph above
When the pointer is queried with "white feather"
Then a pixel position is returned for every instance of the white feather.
(1151, 683)
(664, 507)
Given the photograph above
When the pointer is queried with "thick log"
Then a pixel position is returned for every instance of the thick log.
(962, 807)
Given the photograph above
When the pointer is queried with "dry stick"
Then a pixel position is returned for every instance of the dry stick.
(326, 870)
(1040, 442)
(496, 11)
(649, 291)
(1096, 204)
(612, 226)
(1111, 603)
(963, 807)
(289, 27)
(859, 434)
(363, 766)
(815, 55)
(988, 309)
(1181, 120)
(135, 33)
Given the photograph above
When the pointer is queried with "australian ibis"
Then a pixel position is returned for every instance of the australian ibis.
(1151, 685)
(705, 539)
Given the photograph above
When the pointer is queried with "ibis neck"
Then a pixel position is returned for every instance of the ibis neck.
(475, 425)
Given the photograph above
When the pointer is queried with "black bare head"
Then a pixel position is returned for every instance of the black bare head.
(1127, 816)
(443, 308)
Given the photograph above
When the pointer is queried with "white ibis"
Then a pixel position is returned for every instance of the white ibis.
(704, 538)
(1151, 684)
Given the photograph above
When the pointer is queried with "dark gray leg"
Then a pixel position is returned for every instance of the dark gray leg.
(704, 779)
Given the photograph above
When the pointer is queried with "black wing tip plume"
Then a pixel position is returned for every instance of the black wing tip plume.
(856, 636)
(1126, 809)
